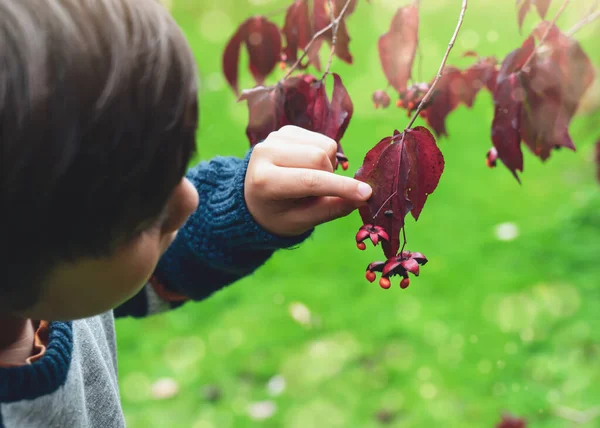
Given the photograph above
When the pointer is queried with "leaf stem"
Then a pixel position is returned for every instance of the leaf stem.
(442, 65)
(545, 35)
(383, 205)
(315, 36)
(591, 17)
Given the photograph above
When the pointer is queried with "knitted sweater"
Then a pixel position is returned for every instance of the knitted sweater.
(74, 383)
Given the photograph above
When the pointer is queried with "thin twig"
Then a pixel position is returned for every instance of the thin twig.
(334, 30)
(583, 22)
(315, 36)
(545, 35)
(441, 70)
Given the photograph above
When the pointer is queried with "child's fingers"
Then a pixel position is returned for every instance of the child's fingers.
(321, 211)
(297, 135)
(299, 156)
(296, 183)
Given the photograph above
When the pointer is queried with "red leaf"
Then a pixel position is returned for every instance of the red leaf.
(505, 126)
(263, 42)
(301, 101)
(481, 74)
(447, 96)
(388, 177)
(264, 46)
(341, 110)
(397, 47)
(297, 29)
(542, 7)
(264, 108)
(523, 7)
(516, 59)
(426, 166)
(554, 82)
(231, 57)
(322, 18)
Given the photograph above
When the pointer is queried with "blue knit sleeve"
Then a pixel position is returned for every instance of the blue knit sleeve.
(220, 243)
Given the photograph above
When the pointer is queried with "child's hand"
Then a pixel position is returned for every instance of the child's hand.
(290, 185)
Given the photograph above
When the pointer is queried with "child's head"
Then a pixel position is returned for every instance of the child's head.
(98, 112)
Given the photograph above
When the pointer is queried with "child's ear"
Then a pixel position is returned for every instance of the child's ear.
(182, 203)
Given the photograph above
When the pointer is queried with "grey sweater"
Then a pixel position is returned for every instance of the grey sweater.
(74, 384)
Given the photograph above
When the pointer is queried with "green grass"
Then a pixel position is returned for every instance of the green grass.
(488, 326)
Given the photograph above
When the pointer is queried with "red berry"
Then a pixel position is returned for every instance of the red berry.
(345, 165)
(361, 246)
(384, 283)
(282, 66)
(370, 276)
(399, 103)
(404, 283)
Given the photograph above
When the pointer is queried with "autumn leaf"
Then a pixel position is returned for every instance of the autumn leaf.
(554, 81)
(426, 166)
(542, 7)
(263, 43)
(447, 96)
(403, 171)
(506, 137)
(301, 101)
(388, 177)
(297, 30)
(397, 47)
(523, 7)
(321, 19)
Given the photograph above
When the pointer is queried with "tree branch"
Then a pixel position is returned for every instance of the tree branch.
(591, 17)
(443, 64)
(334, 23)
(545, 35)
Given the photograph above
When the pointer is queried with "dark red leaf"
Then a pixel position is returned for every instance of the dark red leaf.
(263, 42)
(479, 75)
(264, 46)
(447, 96)
(321, 19)
(542, 7)
(516, 59)
(297, 29)
(426, 166)
(301, 101)
(265, 106)
(388, 178)
(341, 110)
(231, 57)
(397, 47)
(554, 81)
(506, 138)
(523, 7)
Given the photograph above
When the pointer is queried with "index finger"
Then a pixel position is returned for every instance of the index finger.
(296, 183)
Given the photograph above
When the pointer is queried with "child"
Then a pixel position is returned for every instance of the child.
(98, 116)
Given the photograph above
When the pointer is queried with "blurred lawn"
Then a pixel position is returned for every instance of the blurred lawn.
(489, 326)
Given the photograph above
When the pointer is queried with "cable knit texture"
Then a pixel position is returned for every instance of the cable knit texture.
(45, 375)
(221, 242)
(74, 384)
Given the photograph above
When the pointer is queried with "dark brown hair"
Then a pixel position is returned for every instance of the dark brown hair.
(98, 113)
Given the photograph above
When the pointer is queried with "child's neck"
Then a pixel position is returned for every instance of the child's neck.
(16, 339)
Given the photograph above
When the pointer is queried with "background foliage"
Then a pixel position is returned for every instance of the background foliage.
(506, 316)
